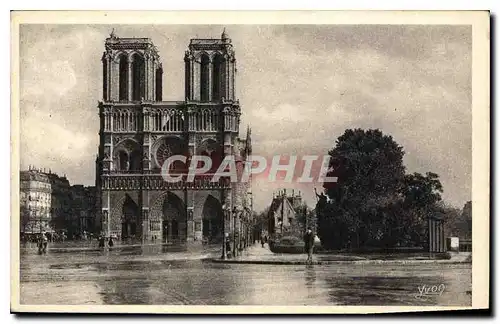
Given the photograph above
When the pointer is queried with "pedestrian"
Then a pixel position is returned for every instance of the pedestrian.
(43, 243)
(262, 240)
(228, 244)
(309, 244)
(102, 242)
(110, 242)
(39, 244)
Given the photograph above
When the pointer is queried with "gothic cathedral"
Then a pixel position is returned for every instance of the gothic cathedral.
(139, 131)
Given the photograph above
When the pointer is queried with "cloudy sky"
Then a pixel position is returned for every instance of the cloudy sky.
(300, 87)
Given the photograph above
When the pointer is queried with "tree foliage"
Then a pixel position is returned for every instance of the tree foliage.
(459, 222)
(305, 217)
(374, 203)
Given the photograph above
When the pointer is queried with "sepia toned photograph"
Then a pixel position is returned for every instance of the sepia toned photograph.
(291, 162)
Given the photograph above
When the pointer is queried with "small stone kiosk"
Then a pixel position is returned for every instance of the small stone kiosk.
(437, 241)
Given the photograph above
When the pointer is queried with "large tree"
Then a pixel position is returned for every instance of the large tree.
(369, 168)
(374, 203)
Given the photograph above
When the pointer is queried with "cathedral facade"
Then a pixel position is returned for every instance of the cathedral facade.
(139, 131)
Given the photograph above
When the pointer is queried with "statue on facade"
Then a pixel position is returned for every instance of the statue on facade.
(113, 35)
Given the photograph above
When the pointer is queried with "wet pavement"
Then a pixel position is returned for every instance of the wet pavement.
(258, 254)
(165, 275)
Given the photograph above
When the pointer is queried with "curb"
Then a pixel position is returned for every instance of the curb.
(388, 262)
(95, 247)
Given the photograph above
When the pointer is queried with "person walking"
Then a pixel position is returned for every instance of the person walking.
(262, 240)
(228, 244)
(110, 242)
(43, 242)
(309, 244)
(40, 244)
(102, 242)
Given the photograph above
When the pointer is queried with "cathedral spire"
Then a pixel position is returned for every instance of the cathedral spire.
(249, 140)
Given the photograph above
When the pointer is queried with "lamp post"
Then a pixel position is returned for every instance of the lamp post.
(240, 232)
(225, 210)
(243, 230)
(247, 227)
(235, 246)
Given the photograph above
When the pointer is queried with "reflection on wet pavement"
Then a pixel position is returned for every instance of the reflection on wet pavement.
(157, 275)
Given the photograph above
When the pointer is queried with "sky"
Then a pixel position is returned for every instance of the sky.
(299, 86)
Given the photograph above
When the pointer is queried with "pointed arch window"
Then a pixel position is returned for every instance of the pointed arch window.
(123, 78)
(159, 85)
(218, 77)
(138, 77)
(204, 78)
(105, 78)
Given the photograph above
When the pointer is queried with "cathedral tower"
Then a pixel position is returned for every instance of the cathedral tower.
(131, 70)
(210, 67)
(139, 131)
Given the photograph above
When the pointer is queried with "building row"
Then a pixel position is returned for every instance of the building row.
(49, 203)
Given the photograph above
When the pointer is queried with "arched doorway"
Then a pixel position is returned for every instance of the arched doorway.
(213, 217)
(174, 221)
(130, 211)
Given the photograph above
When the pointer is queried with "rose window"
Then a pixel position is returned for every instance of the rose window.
(168, 148)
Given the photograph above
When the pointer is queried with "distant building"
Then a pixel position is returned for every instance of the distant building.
(83, 210)
(44, 201)
(48, 203)
(35, 202)
(61, 201)
(282, 216)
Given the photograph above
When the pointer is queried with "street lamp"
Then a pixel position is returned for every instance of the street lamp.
(225, 210)
(242, 230)
(235, 245)
(249, 226)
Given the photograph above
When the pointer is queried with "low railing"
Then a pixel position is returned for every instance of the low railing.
(157, 182)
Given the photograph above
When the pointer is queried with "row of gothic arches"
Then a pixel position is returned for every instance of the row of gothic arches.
(136, 75)
(214, 79)
(167, 220)
(127, 155)
(132, 78)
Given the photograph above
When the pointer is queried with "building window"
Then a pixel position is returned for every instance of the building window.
(138, 80)
(123, 78)
(159, 84)
(218, 77)
(204, 78)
